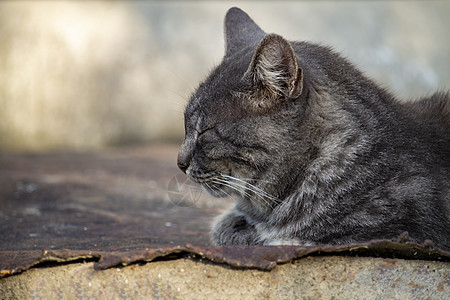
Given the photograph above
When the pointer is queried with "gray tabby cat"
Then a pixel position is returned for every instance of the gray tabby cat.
(312, 150)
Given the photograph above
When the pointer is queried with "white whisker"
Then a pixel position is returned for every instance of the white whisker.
(232, 185)
(251, 179)
(217, 189)
(254, 162)
(244, 188)
(253, 187)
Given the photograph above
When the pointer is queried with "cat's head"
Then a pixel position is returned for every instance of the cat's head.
(242, 123)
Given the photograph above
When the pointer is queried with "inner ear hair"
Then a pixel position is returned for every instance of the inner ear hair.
(274, 71)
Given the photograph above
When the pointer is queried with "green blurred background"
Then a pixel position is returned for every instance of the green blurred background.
(87, 75)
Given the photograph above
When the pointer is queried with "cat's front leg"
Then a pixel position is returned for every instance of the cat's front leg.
(233, 229)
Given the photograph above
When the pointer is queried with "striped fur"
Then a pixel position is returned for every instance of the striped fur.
(312, 150)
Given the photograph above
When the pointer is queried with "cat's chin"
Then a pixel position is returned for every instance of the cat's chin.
(217, 193)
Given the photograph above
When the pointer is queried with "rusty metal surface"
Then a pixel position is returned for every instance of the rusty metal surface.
(114, 208)
(268, 257)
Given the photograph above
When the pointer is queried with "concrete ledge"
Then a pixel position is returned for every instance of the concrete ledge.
(313, 277)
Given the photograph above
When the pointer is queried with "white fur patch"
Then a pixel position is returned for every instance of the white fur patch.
(288, 242)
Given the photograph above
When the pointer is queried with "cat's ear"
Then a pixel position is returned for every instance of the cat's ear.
(274, 72)
(240, 31)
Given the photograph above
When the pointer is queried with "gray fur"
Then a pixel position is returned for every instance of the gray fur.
(312, 150)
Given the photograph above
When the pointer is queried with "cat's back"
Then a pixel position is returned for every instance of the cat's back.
(434, 110)
(426, 134)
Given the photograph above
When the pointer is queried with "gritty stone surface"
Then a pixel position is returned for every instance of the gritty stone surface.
(330, 277)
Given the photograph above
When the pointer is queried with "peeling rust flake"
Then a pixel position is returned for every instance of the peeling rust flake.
(268, 257)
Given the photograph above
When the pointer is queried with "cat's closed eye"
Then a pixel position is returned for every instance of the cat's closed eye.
(205, 130)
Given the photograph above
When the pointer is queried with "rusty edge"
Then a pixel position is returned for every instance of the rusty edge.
(257, 257)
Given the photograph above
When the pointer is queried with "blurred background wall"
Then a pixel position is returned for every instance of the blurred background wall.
(82, 75)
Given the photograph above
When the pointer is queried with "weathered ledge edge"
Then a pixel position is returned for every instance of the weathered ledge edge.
(257, 257)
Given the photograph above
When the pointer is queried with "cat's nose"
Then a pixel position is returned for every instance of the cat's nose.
(183, 167)
(185, 155)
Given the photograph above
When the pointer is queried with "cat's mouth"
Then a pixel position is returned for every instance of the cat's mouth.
(211, 182)
(222, 185)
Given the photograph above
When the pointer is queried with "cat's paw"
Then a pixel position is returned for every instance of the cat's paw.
(233, 230)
